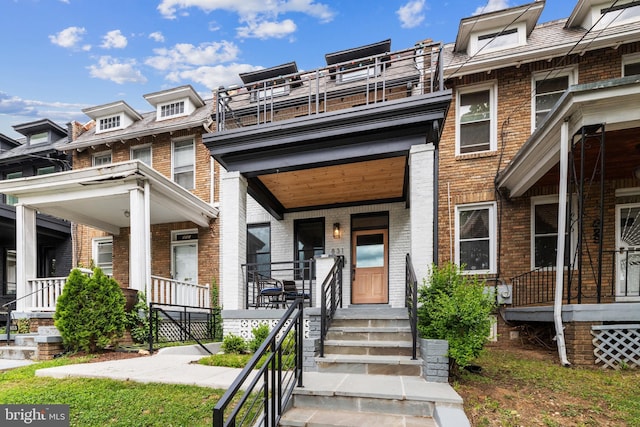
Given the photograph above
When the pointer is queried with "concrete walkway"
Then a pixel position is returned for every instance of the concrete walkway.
(172, 365)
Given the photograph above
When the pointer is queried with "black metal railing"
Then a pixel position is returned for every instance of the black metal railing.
(179, 323)
(534, 287)
(411, 302)
(260, 395)
(300, 274)
(330, 299)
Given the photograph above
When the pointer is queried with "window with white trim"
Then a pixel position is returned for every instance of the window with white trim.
(475, 238)
(101, 159)
(548, 89)
(108, 123)
(631, 65)
(544, 232)
(498, 39)
(476, 119)
(103, 254)
(142, 153)
(12, 200)
(171, 109)
(183, 163)
(614, 13)
(39, 138)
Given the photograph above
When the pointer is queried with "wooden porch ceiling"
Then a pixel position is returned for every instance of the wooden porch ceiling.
(365, 181)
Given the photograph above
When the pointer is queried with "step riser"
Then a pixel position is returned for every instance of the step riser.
(369, 336)
(25, 340)
(369, 368)
(11, 353)
(365, 404)
(369, 351)
(371, 323)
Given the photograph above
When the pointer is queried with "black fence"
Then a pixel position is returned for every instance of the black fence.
(178, 323)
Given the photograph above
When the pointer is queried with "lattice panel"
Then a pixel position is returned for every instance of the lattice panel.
(247, 325)
(168, 331)
(616, 346)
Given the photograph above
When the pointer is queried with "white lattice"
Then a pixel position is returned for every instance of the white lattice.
(616, 346)
(247, 325)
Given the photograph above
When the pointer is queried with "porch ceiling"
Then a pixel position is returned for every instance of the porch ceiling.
(611, 103)
(99, 197)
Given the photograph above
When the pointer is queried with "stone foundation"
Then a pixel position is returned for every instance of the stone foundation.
(435, 362)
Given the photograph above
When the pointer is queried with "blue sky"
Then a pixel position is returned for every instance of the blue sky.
(60, 56)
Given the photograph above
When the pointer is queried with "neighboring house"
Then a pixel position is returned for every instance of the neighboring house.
(141, 197)
(544, 131)
(335, 162)
(33, 155)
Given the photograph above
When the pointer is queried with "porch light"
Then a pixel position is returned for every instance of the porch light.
(336, 230)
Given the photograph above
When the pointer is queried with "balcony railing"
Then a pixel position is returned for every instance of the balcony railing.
(277, 284)
(366, 81)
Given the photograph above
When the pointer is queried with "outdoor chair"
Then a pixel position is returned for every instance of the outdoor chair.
(270, 292)
(291, 291)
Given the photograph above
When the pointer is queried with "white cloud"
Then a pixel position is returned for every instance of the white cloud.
(57, 111)
(412, 13)
(491, 6)
(117, 71)
(157, 36)
(265, 29)
(185, 55)
(212, 76)
(69, 37)
(114, 39)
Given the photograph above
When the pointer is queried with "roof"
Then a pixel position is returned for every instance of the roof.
(147, 125)
(358, 52)
(269, 73)
(111, 109)
(176, 93)
(27, 150)
(38, 126)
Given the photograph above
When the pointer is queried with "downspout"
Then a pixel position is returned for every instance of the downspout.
(562, 225)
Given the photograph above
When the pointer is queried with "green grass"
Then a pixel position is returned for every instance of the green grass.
(97, 402)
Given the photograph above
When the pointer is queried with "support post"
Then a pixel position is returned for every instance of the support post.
(26, 253)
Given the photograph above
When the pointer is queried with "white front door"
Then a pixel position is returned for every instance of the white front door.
(628, 250)
(184, 262)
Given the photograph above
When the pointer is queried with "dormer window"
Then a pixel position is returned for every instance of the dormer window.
(172, 109)
(498, 39)
(39, 138)
(615, 13)
(108, 123)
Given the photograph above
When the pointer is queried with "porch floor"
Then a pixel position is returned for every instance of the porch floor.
(614, 312)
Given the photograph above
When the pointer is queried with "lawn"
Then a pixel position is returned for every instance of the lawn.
(528, 387)
(97, 402)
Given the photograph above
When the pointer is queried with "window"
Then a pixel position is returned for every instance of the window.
(10, 264)
(630, 65)
(39, 138)
(107, 123)
(184, 256)
(549, 88)
(12, 200)
(101, 159)
(615, 13)
(259, 247)
(475, 238)
(142, 153)
(183, 163)
(476, 120)
(173, 109)
(103, 254)
(309, 242)
(45, 170)
(498, 39)
(544, 232)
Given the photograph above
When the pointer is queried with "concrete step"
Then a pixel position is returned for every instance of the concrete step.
(374, 400)
(25, 340)
(17, 352)
(370, 323)
(369, 334)
(367, 364)
(372, 348)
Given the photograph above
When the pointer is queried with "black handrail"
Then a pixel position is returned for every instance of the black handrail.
(330, 299)
(268, 389)
(185, 312)
(302, 272)
(411, 302)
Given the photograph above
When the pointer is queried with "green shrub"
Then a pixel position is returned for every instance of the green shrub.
(217, 325)
(234, 344)
(456, 308)
(259, 335)
(138, 320)
(90, 311)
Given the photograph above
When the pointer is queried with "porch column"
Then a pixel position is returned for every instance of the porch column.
(26, 252)
(421, 188)
(137, 247)
(233, 240)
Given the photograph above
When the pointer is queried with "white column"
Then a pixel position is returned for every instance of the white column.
(147, 239)
(137, 246)
(421, 188)
(233, 241)
(26, 252)
(324, 263)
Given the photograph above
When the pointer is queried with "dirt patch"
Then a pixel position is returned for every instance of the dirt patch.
(106, 355)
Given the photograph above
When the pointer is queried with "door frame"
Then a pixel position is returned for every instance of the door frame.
(619, 246)
(175, 242)
(354, 234)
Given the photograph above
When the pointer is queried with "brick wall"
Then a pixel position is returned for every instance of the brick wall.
(578, 340)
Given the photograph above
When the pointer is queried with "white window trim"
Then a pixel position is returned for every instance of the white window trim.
(633, 58)
(492, 87)
(493, 227)
(99, 119)
(546, 200)
(185, 112)
(100, 154)
(175, 243)
(142, 147)
(95, 242)
(474, 42)
(193, 162)
(605, 22)
(571, 72)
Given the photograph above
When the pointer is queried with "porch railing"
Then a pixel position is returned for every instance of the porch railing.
(330, 299)
(42, 294)
(176, 292)
(618, 276)
(411, 302)
(300, 272)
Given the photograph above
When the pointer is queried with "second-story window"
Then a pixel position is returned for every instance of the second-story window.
(101, 159)
(476, 120)
(39, 138)
(173, 109)
(548, 90)
(183, 166)
(142, 153)
(107, 123)
(11, 200)
(45, 170)
(631, 65)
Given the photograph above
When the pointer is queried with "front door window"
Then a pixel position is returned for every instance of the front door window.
(369, 273)
(628, 254)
